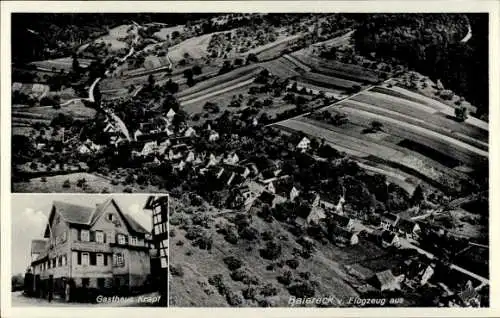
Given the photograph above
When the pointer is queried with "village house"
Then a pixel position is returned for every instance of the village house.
(343, 221)
(231, 159)
(189, 132)
(92, 248)
(388, 238)
(267, 198)
(213, 136)
(418, 272)
(408, 228)
(304, 144)
(344, 237)
(385, 280)
(389, 220)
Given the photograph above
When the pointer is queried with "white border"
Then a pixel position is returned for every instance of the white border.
(450, 6)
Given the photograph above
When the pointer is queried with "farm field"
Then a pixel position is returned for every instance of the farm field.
(196, 47)
(114, 39)
(441, 129)
(338, 69)
(328, 81)
(44, 114)
(220, 81)
(329, 92)
(360, 144)
(64, 63)
(282, 68)
(165, 33)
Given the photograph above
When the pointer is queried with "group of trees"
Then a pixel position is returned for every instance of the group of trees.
(431, 44)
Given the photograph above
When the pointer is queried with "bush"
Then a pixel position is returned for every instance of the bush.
(204, 242)
(217, 282)
(302, 290)
(231, 236)
(285, 278)
(249, 293)
(127, 190)
(179, 243)
(269, 290)
(43, 179)
(194, 233)
(292, 263)
(249, 233)
(244, 276)
(176, 270)
(66, 184)
(234, 299)
(272, 251)
(172, 233)
(232, 263)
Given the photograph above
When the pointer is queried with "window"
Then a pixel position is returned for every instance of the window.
(85, 259)
(64, 260)
(59, 261)
(157, 229)
(118, 259)
(100, 282)
(110, 217)
(163, 262)
(162, 252)
(133, 240)
(121, 239)
(105, 260)
(54, 262)
(111, 237)
(85, 236)
(93, 260)
(79, 258)
(64, 236)
(157, 218)
(100, 260)
(99, 237)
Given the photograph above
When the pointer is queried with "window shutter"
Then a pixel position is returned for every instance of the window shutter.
(104, 234)
(91, 236)
(79, 235)
(105, 259)
(117, 238)
(79, 258)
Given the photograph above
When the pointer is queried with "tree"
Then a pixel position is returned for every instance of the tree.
(418, 195)
(461, 114)
(376, 126)
(151, 81)
(252, 58)
(76, 65)
(196, 70)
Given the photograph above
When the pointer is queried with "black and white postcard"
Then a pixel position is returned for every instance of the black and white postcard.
(329, 156)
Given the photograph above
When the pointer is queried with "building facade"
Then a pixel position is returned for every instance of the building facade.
(99, 249)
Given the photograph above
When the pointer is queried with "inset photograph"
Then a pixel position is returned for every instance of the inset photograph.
(92, 249)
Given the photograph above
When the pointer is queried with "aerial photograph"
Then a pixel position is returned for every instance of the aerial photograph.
(311, 159)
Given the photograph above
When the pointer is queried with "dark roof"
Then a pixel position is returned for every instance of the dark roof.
(136, 227)
(338, 231)
(390, 216)
(146, 127)
(340, 219)
(388, 236)
(73, 213)
(268, 174)
(468, 294)
(283, 187)
(406, 226)
(266, 197)
(235, 168)
(77, 214)
(38, 246)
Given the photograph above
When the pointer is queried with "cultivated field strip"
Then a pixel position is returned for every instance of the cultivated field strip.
(328, 81)
(441, 129)
(383, 143)
(220, 90)
(420, 164)
(297, 63)
(339, 69)
(227, 79)
(281, 67)
(445, 109)
(448, 146)
(436, 118)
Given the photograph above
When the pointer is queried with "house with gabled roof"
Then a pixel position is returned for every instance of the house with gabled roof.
(304, 144)
(389, 238)
(343, 237)
(343, 221)
(99, 248)
(189, 132)
(408, 228)
(389, 220)
(213, 136)
(386, 280)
